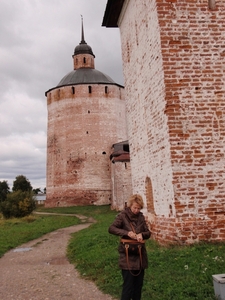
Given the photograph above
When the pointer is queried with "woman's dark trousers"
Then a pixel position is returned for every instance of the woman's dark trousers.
(132, 285)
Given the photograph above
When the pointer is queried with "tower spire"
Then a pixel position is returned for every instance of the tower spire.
(82, 32)
(83, 47)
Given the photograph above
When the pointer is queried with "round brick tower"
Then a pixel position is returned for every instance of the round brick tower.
(86, 116)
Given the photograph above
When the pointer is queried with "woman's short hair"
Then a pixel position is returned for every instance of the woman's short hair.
(135, 198)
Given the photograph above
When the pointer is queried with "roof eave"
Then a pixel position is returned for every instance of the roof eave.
(112, 13)
(83, 83)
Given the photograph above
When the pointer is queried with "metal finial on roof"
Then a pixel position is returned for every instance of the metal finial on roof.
(82, 32)
(83, 47)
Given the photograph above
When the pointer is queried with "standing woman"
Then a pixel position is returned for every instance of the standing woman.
(131, 226)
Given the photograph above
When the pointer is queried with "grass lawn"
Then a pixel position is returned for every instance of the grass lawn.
(174, 273)
(14, 232)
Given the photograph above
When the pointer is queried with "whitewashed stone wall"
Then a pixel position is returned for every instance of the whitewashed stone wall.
(173, 59)
(145, 94)
(121, 184)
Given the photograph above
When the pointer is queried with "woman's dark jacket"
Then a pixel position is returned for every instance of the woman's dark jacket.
(121, 226)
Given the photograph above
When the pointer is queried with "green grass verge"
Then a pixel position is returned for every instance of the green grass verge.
(174, 273)
(14, 232)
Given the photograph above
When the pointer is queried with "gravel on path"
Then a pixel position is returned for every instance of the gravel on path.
(40, 270)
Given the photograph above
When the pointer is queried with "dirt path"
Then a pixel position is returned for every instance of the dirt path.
(39, 270)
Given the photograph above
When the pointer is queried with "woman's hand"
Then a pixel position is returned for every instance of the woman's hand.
(139, 237)
(132, 235)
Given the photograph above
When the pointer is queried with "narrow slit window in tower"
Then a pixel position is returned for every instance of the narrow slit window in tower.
(84, 60)
(89, 89)
(106, 90)
(126, 148)
(73, 90)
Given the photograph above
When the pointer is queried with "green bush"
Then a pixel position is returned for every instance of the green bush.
(18, 204)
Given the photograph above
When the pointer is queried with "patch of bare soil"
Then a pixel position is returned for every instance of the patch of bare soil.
(39, 270)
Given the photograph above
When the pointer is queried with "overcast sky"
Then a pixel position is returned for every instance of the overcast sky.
(37, 40)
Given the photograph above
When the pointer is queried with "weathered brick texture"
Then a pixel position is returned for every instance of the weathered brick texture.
(81, 130)
(174, 57)
(121, 184)
(84, 121)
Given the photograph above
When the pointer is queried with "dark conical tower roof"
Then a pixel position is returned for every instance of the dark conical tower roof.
(83, 47)
(84, 70)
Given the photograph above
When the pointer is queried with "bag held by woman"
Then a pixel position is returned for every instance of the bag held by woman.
(133, 247)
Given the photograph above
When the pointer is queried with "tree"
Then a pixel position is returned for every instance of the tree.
(36, 191)
(4, 190)
(18, 204)
(21, 184)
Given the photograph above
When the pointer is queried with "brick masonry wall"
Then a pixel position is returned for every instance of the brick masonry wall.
(173, 56)
(82, 127)
(121, 184)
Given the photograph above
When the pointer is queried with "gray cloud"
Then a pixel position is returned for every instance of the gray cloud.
(37, 41)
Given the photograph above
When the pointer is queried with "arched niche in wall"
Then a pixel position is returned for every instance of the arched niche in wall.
(149, 196)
